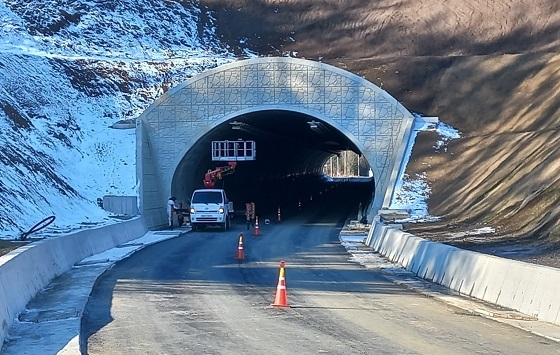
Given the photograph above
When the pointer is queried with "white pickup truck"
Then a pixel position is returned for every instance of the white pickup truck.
(210, 207)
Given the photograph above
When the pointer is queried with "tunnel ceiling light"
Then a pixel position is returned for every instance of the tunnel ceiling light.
(236, 125)
(313, 124)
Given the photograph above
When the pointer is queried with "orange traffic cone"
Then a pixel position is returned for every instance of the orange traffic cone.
(279, 215)
(257, 230)
(240, 251)
(281, 299)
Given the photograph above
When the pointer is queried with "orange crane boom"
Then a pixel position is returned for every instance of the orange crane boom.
(212, 176)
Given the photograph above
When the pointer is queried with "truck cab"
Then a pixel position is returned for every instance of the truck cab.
(210, 207)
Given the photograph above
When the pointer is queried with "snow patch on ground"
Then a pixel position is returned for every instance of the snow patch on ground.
(478, 231)
(412, 192)
(447, 133)
(364, 256)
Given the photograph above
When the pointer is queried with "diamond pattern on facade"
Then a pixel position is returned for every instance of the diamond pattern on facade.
(369, 116)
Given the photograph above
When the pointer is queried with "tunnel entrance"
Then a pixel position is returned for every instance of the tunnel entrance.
(298, 112)
(288, 172)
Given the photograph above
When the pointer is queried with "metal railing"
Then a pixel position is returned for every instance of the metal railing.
(233, 150)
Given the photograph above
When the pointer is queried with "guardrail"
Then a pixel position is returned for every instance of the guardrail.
(28, 269)
(527, 288)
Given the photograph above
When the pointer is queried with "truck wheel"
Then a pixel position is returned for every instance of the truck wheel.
(224, 225)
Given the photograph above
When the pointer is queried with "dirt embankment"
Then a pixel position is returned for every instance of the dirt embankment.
(489, 68)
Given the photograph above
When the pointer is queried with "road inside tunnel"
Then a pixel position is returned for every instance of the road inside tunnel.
(291, 150)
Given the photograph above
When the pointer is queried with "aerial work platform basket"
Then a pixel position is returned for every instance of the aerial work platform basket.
(238, 150)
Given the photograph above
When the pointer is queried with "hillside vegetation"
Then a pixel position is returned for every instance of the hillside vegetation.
(491, 69)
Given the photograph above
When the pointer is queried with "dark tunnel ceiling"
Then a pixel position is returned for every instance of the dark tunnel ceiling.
(290, 155)
(286, 142)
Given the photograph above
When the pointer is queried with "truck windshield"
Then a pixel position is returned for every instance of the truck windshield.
(207, 197)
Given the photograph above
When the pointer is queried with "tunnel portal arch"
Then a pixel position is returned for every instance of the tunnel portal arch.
(374, 121)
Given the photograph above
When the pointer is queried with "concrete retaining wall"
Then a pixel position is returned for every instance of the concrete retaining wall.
(28, 269)
(121, 205)
(527, 288)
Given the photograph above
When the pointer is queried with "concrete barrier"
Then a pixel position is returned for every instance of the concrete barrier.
(527, 288)
(28, 269)
(121, 205)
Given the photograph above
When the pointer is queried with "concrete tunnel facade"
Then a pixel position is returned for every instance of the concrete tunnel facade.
(351, 112)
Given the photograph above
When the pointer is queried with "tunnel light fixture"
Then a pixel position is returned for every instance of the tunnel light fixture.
(313, 124)
(237, 125)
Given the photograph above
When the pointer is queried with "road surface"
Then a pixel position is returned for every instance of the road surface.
(190, 296)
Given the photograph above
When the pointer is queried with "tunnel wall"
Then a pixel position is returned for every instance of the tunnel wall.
(150, 205)
(372, 119)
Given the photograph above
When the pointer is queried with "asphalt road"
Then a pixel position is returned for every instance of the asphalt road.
(190, 296)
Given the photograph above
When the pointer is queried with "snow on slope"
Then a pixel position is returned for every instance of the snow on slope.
(70, 69)
(412, 192)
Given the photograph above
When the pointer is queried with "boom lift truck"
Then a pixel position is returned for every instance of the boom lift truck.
(212, 176)
(210, 206)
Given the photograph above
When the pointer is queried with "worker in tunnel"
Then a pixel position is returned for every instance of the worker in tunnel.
(250, 214)
(171, 207)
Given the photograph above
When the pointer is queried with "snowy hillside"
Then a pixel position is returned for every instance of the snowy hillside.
(69, 70)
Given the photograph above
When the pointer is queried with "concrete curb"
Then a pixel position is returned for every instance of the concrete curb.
(530, 289)
(27, 270)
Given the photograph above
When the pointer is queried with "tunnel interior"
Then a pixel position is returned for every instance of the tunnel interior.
(291, 150)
